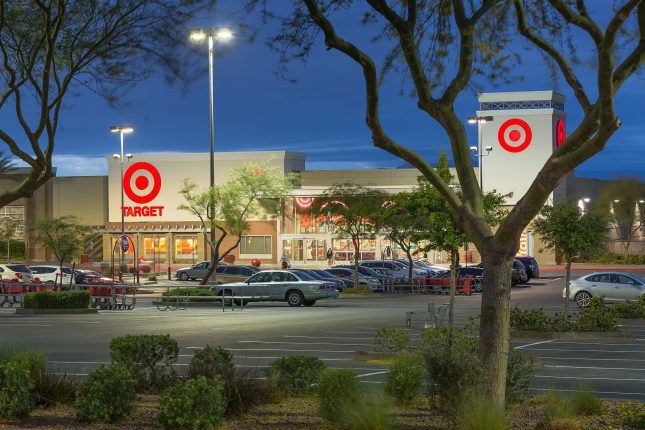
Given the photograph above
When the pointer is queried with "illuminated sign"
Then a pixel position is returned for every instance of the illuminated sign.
(523, 251)
(142, 183)
(560, 133)
(514, 135)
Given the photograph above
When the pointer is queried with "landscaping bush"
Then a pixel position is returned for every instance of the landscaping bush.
(338, 390)
(358, 289)
(148, 358)
(390, 339)
(585, 402)
(53, 389)
(210, 362)
(57, 300)
(630, 309)
(371, 413)
(246, 389)
(197, 403)
(203, 294)
(477, 413)
(632, 414)
(108, 395)
(518, 376)
(296, 375)
(152, 277)
(406, 378)
(597, 317)
(530, 319)
(16, 389)
(34, 361)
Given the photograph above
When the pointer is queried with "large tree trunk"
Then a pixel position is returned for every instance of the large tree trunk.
(495, 314)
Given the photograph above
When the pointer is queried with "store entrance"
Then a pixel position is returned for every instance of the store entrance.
(304, 251)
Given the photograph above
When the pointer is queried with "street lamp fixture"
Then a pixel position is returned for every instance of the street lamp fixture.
(122, 130)
(477, 150)
(222, 35)
(582, 204)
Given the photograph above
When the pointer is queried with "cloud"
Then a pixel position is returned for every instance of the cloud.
(74, 165)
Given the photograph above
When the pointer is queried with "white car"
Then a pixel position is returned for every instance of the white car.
(611, 286)
(16, 272)
(52, 274)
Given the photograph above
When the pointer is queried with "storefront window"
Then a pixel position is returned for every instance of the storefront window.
(154, 247)
(186, 247)
(305, 250)
(309, 221)
(255, 245)
(344, 249)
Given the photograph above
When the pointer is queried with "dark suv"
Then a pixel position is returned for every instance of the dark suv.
(532, 268)
(518, 275)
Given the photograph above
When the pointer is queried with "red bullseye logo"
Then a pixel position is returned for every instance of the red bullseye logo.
(514, 135)
(141, 182)
(560, 133)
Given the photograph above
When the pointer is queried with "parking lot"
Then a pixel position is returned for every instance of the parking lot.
(336, 331)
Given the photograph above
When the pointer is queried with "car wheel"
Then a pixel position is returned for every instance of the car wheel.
(295, 298)
(228, 293)
(183, 276)
(310, 302)
(583, 299)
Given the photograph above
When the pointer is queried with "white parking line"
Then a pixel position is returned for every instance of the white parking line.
(78, 362)
(532, 344)
(631, 360)
(588, 350)
(552, 280)
(291, 350)
(373, 373)
(597, 392)
(591, 367)
(303, 343)
(590, 378)
(275, 358)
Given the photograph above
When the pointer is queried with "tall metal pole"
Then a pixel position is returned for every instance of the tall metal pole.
(212, 146)
(480, 155)
(122, 259)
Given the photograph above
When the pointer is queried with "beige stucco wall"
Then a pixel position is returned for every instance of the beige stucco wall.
(82, 196)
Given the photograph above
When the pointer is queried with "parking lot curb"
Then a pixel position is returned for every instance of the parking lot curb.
(570, 335)
(29, 312)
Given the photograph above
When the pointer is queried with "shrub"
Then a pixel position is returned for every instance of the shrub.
(108, 395)
(245, 390)
(452, 362)
(148, 358)
(152, 277)
(16, 389)
(371, 413)
(52, 389)
(204, 292)
(34, 361)
(338, 389)
(57, 300)
(531, 319)
(390, 339)
(561, 323)
(197, 403)
(632, 414)
(478, 414)
(518, 376)
(597, 317)
(358, 289)
(298, 374)
(406, 378)
(631, 310)
(585, 402)
(210, 362)
(558, 424)
(557, 406)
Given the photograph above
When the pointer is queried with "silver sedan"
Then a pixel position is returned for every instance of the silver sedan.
(294, 287)
(612, 286)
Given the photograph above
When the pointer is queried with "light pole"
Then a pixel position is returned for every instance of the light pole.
(122, 130)
(582, 204)
(222, 35)
(477, 150)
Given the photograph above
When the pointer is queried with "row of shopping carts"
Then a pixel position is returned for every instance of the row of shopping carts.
(102, 296)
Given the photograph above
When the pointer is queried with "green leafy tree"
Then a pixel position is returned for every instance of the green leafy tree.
(624, 202)
(254, 190)
(444, 48)
(564, 228)
(353, 210)
(8, 227)
(64, 237)
(50, 50)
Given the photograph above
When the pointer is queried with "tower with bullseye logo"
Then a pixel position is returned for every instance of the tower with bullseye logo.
(526, 128)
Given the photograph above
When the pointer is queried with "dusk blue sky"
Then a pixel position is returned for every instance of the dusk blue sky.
(321, 115)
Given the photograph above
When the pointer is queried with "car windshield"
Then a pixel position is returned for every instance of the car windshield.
(19, 268)
(367, 271)
(324, 274)
(304, 275)
(67, 270)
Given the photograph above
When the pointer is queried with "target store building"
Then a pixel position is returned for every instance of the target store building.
(521, 130)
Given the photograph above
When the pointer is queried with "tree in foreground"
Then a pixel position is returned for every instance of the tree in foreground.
(444, 47)
(352, 209)
(64, 237)
(624, 201)
(52, 49)
(565, 229)
(254, 190)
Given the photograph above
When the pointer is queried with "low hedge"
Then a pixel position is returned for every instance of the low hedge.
(203, 294)
(57, 300)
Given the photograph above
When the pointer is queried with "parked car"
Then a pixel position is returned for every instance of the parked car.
(531, 265)
(281, 286)
(234, 273)
(368, 272)
(348, 283)
(90, 277)
(419, 269)
(395, 266)
(345, 273)
(326, 276)
(52, 274)
(196, 271)
(612, 286)
(518, 274)
(15, 272)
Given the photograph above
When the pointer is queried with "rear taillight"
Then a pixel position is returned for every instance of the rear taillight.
(19, 275)
(322, 287)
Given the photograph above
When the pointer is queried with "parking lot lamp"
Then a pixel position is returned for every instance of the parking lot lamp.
(122, 130)
(477, 150)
